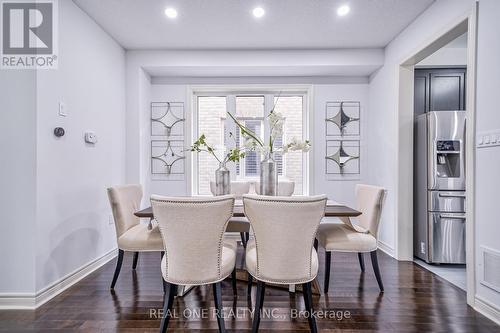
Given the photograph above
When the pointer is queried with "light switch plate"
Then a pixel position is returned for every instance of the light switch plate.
(486, 139)
(63, 110)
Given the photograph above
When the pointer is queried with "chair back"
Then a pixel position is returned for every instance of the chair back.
(192, 229)
(370, 200)
(238, 188)
(125, 200)
(285, 188)
(284, 229)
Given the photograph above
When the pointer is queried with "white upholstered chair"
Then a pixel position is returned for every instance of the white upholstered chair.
(237, 224)
(282, 250)
(285, 188)
(196, 252)
(360, 237)
(131, 235)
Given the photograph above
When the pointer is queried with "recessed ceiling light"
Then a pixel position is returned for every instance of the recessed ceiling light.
(343, 10)
(171, 13)
(258, 12)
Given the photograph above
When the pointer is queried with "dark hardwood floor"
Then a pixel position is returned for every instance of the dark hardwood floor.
(414, 300)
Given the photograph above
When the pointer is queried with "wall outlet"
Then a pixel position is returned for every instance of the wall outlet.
(111, 221)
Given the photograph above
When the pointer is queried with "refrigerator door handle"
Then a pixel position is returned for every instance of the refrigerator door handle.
(452, 216)
(445, 195)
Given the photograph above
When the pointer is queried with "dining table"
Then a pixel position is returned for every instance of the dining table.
(333, 209)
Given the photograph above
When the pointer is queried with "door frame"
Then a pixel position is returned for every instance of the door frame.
(404, 228)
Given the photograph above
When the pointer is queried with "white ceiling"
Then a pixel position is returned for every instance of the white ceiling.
(229, 24)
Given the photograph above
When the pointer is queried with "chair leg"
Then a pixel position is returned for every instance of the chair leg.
(249, 286)
(136, 257)
(361, 261)
(218, 305)
(259, 302)
(162, 253)
(376, 270)
(244, 238)
(233, 282)
(328, 259)
(167, 307)
(118, 268)
(307, 292)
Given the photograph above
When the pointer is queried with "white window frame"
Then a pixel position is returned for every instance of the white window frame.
(269, 92)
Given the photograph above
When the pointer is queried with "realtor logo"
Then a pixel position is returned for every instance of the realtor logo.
(28, 34)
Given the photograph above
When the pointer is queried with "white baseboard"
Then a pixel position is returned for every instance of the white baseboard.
(487, 309)
(17, 301)
(32, 301)
(387, 249)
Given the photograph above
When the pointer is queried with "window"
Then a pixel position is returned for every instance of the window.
(211, 109)
(251, 110)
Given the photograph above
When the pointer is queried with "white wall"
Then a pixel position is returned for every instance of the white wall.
(446, 56)
(164, 93)
(72, 176)
(338, 190)
(487, 159)
(383, 130)
(17, 181)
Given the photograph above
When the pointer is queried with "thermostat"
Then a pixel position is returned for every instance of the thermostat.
(90, 137)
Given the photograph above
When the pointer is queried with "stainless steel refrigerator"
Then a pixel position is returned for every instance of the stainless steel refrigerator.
(439, 187)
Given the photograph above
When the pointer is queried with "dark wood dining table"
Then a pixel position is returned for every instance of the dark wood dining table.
(333, 209)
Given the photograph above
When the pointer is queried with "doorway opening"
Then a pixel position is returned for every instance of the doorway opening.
(439, 158)
(427, 57)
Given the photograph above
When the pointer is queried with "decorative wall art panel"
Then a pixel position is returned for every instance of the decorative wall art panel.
(342, 135)
(167, 141)
(342, 118)
(167, 159)
(342, 157)
(167, 119)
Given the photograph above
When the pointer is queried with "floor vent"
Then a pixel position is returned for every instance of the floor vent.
(491, 268)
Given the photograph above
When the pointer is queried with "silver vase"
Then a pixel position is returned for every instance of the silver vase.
(222, 180)
(269, 176)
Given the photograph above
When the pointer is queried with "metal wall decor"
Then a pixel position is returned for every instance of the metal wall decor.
(167, 149)
(167, 119)
(342, 118)
(342, 156)
(167, 157)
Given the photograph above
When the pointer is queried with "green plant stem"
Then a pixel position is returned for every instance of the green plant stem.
(211, 152)
(246, 130)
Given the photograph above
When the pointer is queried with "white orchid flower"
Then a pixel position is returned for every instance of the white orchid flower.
(297, 145)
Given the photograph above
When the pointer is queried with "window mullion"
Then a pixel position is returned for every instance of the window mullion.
(231, 127)
(268, 105)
